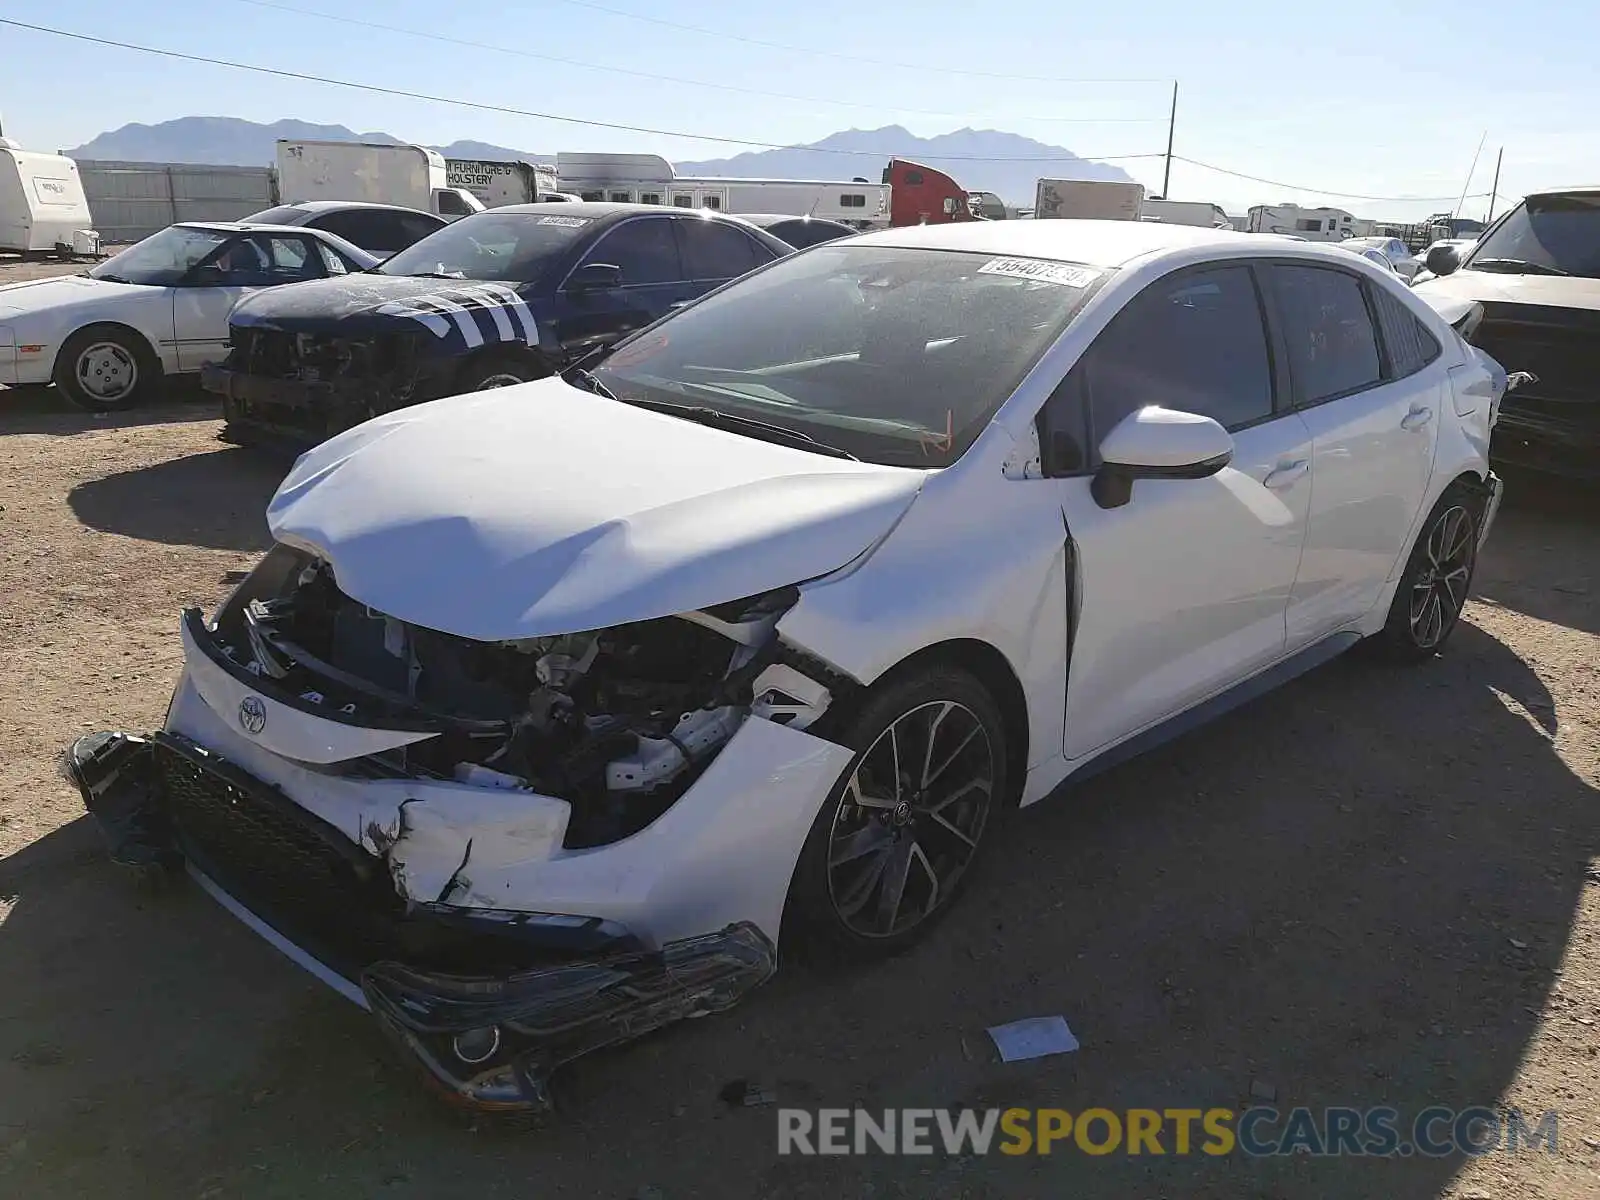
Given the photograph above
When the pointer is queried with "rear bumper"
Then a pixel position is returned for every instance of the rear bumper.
(487, 1004)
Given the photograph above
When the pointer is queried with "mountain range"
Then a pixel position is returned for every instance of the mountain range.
(990, 160)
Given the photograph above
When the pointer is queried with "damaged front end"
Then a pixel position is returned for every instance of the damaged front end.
(428, 822)
(303, 388)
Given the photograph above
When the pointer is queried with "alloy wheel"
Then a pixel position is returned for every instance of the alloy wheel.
(910, 819)
(1440, 590)
(107, 372)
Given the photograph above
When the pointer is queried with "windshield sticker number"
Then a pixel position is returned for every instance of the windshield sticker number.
(1040, 270)
(565, 222)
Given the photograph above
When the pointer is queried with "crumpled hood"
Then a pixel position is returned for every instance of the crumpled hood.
(347, 304)
(543, 509)
(1494, 287)
(64, 291)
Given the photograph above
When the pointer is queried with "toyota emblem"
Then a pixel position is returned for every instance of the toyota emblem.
(252, 714)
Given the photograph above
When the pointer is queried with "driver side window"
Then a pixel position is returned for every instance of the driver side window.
(1195, 342)
(643, 247)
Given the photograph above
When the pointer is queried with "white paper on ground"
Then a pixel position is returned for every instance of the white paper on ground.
(1033, 1037)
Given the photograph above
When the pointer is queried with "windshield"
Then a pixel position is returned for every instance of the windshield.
(1545, 235)
(162, 259)
(503, 247)
(895, 356)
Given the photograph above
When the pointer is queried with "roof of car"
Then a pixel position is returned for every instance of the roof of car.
(246, 227)
(766, 219)
(1102, 243)
(597, 210)
(328, 205)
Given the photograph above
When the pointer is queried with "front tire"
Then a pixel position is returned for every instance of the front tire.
(1437, 580)
(497, 371)
(900, 832)
(106, 369)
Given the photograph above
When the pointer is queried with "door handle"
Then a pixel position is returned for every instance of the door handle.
(1416, 418)
(1287, 473)
(676, 304)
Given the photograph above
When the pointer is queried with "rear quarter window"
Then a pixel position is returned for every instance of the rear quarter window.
(1408, 344)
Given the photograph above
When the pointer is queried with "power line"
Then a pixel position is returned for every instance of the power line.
(700, 83)
(855, 58)
(541, 116)
(1316, 191)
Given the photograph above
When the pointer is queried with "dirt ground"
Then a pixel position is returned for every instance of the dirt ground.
(1375, 887)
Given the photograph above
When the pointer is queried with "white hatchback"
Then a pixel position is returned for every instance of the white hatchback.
(555, 706)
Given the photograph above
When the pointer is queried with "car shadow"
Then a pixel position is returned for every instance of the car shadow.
(45, 410)
(216, 500)
(1540, 559)
(1355, 893)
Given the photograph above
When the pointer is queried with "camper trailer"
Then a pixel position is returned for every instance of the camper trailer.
(1310, 224)
(1185, 212)
(650, 179)
(43, 209)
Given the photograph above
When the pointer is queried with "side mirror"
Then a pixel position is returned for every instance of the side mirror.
(950, 206)
(1442, 260)
(209, 275)
(595, 277)
(1158, 443)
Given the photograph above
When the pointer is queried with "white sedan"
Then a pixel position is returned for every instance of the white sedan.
(1405, 264)
(106, 337)
(885, 539)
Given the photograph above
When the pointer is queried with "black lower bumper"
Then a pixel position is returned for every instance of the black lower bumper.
(490, 1004)
(1536, 441)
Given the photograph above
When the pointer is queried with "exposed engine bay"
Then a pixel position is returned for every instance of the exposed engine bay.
(619, 722)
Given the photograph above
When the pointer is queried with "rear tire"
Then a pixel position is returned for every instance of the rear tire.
(898, 836)
(1434, 587)
(105, 368)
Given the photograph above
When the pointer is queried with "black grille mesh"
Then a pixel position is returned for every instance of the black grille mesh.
(279, 866)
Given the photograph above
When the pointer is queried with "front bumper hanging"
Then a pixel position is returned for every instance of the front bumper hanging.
(489, 1035)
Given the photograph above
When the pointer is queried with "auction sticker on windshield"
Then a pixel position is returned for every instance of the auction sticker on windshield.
(1041, 270)
(565, 222)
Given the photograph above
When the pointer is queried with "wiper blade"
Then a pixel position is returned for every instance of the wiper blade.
(587, 380)
(1514, 265)
(109, 278)
(717, 417)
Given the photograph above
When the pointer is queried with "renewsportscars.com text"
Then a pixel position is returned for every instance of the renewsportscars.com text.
(1382, 1132)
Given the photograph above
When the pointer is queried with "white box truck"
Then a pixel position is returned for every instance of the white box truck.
(1088, 200)
(496, 183)
(43, 209)
(1185, 212)
(410, 176)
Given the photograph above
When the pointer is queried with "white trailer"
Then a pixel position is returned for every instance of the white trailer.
(1186, 212)
(380, 173)
(1312, 224)
(498, 183)
(650, 179)
(1088, 200)
(43, 209)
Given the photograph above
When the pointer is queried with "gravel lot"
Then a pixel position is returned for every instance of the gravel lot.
(1375, 887)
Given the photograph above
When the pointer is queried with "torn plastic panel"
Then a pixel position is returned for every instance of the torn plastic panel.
(493, 1043)
(617, 722)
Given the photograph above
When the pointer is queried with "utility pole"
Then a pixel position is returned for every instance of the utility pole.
(1494, 188)
(1172, 124)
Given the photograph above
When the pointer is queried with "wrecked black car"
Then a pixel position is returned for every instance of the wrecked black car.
(1535, 274)
(498, 298)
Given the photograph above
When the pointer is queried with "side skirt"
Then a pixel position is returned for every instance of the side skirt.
(1224, 702)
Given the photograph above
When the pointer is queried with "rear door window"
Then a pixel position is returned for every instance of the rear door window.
(1333, 347)
(714, 251)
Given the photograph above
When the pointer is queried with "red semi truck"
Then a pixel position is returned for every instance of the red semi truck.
(920, 195)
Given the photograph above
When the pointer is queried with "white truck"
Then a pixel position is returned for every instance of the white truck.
(1088, 200)
(497, 182)
(1308, 224)
(1186, 212)
(379, 173)
(650, 179)
(43, 209)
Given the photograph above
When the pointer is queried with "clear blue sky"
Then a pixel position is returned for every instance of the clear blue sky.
(1353, 96)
